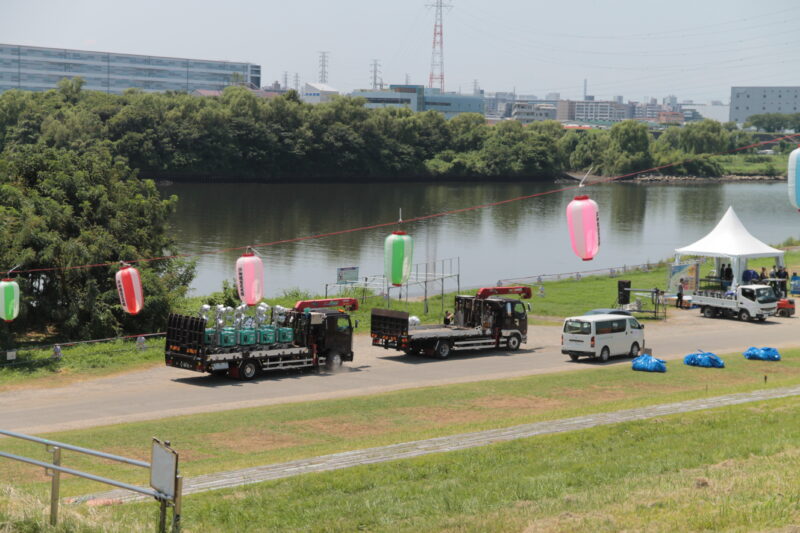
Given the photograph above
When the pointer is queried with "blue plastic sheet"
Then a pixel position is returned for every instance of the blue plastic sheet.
(762, 354)
(704, 359)
(648, 363)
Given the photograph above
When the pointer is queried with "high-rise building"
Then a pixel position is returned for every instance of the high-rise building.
(747, 101)
(34, 68)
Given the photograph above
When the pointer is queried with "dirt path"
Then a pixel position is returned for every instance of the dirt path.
(162, 391)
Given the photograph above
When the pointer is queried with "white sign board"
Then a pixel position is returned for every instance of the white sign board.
(346, 275)
(11, 355)
(163, 468)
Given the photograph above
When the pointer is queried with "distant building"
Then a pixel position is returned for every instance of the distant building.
(419, 98)
(748, 101)
(317, 93)
(552, 96)
(33, 68)
(499, 104)
(670, 117)
(526, 113)
(592, 110)
(257, 92)
(410, 96)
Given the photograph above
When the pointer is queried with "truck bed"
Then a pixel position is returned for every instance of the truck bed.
(442, 331)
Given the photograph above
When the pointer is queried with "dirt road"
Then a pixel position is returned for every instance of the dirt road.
(162, 391)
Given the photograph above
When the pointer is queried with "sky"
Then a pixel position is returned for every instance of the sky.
(694, 49)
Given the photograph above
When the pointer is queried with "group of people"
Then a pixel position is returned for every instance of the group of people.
(778, 278)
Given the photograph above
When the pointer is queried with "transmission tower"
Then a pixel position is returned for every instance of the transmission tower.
(408, 79)
(476, 88)
(297, 82)
(323, 67)
(285, 79)
(437, 54)
(376, 71)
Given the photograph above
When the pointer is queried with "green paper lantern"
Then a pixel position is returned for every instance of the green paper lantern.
(9, 299)
(398, 250)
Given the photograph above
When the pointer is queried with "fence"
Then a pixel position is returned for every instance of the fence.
(166, 485)
(611, 272)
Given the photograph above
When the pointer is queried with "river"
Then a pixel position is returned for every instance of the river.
(639, 222)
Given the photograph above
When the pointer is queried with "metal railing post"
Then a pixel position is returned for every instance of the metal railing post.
(176, 505)
(55, 484)
(162, 516)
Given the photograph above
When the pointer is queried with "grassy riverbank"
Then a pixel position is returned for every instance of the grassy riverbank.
(658, 469)
(752, 164)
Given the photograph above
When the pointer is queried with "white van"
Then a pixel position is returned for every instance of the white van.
(602, 336)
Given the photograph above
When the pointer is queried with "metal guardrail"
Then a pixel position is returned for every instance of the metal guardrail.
(54, 470)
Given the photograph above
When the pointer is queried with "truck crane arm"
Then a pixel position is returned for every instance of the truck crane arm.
(351, 304)
(485, 292)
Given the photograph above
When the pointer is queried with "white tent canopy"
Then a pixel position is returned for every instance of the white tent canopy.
(732, 240)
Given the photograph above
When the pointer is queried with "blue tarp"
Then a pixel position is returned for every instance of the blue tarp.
(648, 363)
(762, 354)
(704, 359)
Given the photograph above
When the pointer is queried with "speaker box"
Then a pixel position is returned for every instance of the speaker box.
(623, 296)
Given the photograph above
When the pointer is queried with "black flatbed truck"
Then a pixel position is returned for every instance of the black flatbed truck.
(480, 322)
(323, 336)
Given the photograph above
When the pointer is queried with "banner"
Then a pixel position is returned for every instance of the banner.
(795, 285)
(689, 272)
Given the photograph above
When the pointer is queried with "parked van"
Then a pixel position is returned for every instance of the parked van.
(602, 336)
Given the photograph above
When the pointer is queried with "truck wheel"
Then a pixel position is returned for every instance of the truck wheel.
(744, 315)
(443, 349)
(605, 354)
(333, 362)
(513, 342)
(574, 356)
(783, 312)
(709, 312)
(634, 349)
(248, 370)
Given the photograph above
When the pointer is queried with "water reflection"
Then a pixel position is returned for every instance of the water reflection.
(639, 222)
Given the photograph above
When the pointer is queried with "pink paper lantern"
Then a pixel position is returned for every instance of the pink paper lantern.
(250, 278)
(583, 220)
(129, 287)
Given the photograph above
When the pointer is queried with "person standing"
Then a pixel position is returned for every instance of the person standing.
(679, 299)
(763, 275)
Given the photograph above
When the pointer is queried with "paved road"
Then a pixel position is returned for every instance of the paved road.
(161, 391)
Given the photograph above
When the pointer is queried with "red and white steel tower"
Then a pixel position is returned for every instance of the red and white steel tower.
(437, 55)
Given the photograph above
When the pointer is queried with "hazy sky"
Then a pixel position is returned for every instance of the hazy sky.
(694, 49)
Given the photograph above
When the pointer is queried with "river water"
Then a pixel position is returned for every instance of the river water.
(639, 223)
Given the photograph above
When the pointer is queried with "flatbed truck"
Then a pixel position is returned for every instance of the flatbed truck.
(485, 320)
(747, 302)
(313, 333)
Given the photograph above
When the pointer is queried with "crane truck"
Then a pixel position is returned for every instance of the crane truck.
(485, 320)
(313, 333)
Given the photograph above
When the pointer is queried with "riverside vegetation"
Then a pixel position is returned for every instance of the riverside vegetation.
(71, 163)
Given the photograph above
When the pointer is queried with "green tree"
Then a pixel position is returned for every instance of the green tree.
(629, 148)
(61, 209)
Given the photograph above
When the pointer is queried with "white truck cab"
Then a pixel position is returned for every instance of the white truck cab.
(602, 336)
(746, 303)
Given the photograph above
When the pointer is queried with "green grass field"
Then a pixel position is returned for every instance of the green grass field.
(753, 164)
(731, 469)
(234, 439)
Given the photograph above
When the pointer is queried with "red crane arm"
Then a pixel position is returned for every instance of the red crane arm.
(351, 304)
(485, 292)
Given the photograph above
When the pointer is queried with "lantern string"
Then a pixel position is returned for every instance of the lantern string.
(414, 219)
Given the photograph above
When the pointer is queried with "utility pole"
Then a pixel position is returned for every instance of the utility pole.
(323, 67)
(585, 88)
(437, 52)
(408, 79)
(285, 79)
(375, 74)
